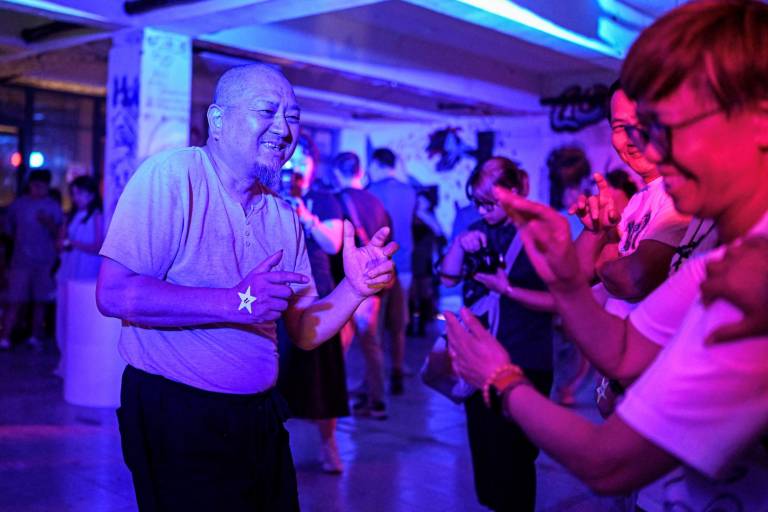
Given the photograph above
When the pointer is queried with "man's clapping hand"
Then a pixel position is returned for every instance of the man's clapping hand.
(368, 269)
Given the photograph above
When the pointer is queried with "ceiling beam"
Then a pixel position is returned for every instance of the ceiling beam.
(387, 109)
(298, 48)
(54, 45)
(71, 11)
(211, 16)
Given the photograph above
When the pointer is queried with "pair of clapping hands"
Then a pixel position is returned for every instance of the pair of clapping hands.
(368, 270)
(740, 277)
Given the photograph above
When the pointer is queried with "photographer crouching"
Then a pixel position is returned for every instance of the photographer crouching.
(491, 251)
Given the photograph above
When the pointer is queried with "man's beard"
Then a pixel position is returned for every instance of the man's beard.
(267, 176)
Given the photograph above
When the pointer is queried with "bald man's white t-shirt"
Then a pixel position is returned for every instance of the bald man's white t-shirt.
(175, 222)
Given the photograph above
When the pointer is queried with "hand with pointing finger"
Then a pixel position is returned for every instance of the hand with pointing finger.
(597, 213)
(264, 293)
(368, 269)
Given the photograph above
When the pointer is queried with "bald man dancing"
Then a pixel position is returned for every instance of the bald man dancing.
(200, 260)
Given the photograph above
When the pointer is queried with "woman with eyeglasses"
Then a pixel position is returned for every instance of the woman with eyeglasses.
(502, 456)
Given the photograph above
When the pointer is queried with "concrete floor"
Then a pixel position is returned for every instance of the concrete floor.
(59, 457)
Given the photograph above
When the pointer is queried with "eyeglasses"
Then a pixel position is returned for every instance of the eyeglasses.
(654, 132)
(482, 204)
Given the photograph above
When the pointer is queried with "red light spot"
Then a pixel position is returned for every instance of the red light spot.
(16, 159)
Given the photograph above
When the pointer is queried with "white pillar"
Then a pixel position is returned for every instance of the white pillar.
(149, 92)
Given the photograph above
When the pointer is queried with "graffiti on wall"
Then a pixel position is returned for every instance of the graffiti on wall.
(447, 144)
(576, 108)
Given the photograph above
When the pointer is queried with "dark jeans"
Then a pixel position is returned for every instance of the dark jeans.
(192, 450)
(502, 456)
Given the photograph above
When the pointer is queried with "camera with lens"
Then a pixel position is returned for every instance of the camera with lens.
(484, 261)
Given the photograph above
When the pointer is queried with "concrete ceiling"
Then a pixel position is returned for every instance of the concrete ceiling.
(351, 60)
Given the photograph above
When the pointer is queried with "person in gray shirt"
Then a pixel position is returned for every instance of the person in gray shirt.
(34, 220)
(201, 259)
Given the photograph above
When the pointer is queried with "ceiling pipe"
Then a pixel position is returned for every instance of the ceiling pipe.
(42, 32)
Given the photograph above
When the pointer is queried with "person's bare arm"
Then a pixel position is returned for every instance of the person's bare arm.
(610, 458)
(534, 299)
(327, 233)
(152, 302)
(367, 270)
(616, 348)
(633, 277)
(612, 344)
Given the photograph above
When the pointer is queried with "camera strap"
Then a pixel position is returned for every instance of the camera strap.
(354, 216)
(489, 304)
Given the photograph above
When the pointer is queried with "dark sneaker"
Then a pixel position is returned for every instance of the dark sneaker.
(378, 411)
(360, 405)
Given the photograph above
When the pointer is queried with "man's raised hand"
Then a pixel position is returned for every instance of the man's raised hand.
(264, 294)
(547, 240)
(369, 268)
(597, 213)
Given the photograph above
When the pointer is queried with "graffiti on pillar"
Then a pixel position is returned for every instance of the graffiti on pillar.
(123, 119)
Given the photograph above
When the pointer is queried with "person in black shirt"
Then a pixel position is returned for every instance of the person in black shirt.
(502, 456)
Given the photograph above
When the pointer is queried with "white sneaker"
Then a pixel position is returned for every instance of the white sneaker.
(5, 344)
(330, 458)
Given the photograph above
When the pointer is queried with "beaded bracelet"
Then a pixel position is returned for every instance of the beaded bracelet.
(491, 380)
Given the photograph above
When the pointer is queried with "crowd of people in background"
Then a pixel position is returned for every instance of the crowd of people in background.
(45, 250)
(618, 282)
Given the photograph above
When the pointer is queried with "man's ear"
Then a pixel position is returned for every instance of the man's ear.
(215, 115)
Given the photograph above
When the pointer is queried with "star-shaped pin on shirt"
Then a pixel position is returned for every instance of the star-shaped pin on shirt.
(246, 299)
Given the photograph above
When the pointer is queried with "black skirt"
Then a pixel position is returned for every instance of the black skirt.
(314, 383)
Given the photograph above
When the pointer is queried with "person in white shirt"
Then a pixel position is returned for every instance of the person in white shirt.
(699, 74)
